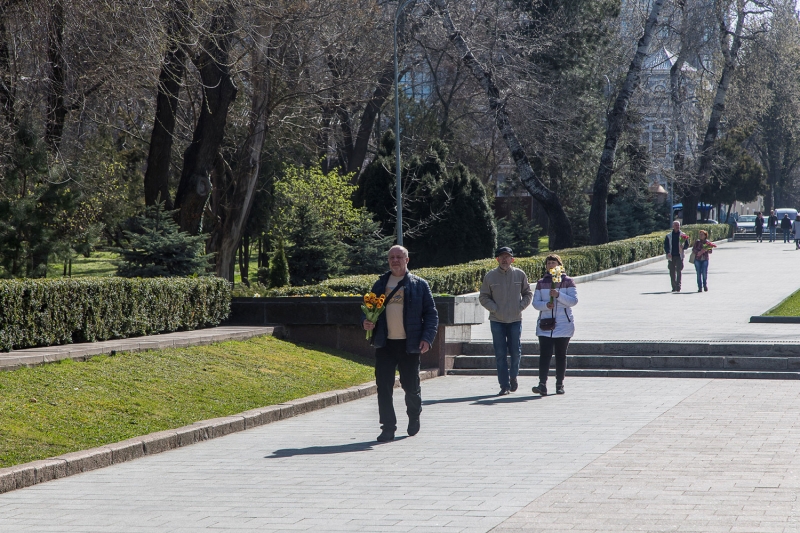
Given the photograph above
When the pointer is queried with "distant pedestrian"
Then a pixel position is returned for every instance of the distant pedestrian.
(675, 244)
(786, 226)
(505, 292)
(404, 331)
(772, 226)
(796, 230)
(759, 227)
(556, 325)
(702, 250)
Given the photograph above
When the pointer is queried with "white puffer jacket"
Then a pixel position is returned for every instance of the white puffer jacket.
(562, 306)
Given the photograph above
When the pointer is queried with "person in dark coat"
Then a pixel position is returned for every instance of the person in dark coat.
(403, 332)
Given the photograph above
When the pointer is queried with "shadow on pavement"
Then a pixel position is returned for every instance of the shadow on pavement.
(507, 399)
(661, 292)
(459, 400)
(326, 450)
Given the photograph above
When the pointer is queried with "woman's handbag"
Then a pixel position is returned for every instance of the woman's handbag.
(691, 257)
(547, 324)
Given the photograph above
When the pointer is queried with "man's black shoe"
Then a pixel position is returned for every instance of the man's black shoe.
(503, 392)
(514, 385)
(413, 427)
(386, 436)
(541, 388)
(559, 388)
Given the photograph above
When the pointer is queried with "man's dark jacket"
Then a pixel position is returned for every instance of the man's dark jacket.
(420, 317)
(772, 221)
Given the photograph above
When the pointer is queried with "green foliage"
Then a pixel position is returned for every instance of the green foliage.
(278, 274)
(157, 248)
(519, 233)
(315, 253)
(629, 216)
(466, 278)
(447, 218)
(366, 248)
(48, 312)
(31, 208)
(736, 175)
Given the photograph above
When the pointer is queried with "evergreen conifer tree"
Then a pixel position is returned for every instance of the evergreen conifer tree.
(519, 233)
(366, 248)
(157, 248)
(315, 253)
(278, 268)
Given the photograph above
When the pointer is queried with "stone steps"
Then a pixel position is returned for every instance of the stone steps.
(743, 360)
(642, 373)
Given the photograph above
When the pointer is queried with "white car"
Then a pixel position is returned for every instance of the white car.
(746, 224)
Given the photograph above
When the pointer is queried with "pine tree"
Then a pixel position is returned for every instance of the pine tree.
(519, 233)
(366, 248)
(157, 248)
(315, 254)
(278, 268)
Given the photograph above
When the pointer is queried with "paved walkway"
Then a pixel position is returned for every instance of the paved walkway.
(745, 278)
(611, 455)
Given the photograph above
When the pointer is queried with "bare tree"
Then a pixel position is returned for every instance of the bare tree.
(560, 224)
(598, 229)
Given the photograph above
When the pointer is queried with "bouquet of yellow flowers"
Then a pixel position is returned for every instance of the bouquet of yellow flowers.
(373, 307)
(556, 272)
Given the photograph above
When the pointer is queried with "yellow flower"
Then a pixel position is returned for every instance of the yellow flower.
(323, 294)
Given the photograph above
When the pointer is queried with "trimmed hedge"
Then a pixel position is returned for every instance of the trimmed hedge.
(45, 312)
(466, 278)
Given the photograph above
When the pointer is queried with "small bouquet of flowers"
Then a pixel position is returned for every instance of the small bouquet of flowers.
(556, 272)
(708, 246)
(373, 307)
(684, 238)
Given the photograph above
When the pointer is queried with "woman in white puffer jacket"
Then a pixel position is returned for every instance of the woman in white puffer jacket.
(554, 338)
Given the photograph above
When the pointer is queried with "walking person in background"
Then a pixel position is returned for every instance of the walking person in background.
(759, 227)
(675, 244)
(702, 250)
(554, 301)
(505, 293)
(772, 226)
(786, 226)
(404, 331)
(796, 230)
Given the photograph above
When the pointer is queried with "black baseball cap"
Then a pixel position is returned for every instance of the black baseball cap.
(504, 250)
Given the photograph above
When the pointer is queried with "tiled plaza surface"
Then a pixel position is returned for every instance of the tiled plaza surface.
(610, 455)
(745, 278)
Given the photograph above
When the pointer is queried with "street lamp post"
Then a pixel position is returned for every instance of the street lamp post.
(398, 176)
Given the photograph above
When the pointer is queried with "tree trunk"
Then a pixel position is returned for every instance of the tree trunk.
(173, 66)
(677, 100)
(356, 145)
(56, 111)
(730, 52)
(235, 203)
(598, 227)
(219, 91)
(7, 98)
(559, 223)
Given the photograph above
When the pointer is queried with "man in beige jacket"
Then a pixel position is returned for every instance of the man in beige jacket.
(505, 292)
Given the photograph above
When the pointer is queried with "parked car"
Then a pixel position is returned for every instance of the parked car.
(785, 211)
(746, 224)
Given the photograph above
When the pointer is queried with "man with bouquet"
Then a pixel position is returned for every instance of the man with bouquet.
(404, 331)
(675, 244)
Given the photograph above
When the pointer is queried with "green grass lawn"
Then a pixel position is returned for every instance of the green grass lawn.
(98, 264)
(789, 307)
(62, 407)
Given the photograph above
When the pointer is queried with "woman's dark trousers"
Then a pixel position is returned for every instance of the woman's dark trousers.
(546, 347)
(387, 359)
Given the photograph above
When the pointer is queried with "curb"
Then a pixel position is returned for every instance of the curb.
(775, 319)
(30, 357)
(69, 464)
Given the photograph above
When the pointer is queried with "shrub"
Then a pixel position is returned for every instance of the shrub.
(60, 311)
(467, 277)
